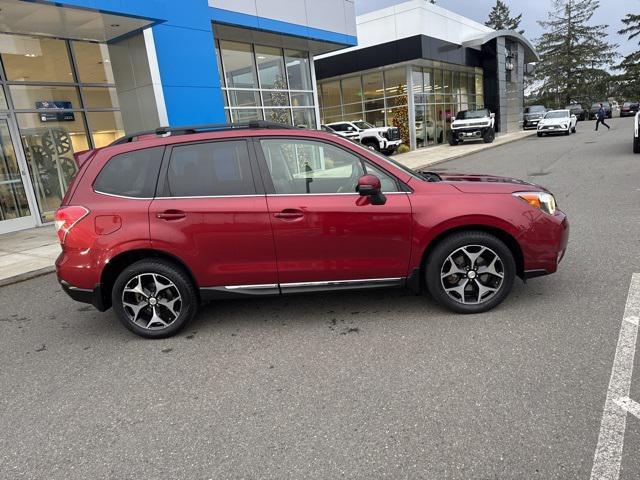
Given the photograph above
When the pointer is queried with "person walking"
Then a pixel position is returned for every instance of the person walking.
(600, 116)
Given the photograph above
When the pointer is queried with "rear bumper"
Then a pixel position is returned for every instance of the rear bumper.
(83, 295)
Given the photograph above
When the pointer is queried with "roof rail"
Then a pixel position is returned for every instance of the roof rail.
(189, 130)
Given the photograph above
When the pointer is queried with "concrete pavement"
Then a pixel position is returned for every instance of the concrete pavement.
(359, 385)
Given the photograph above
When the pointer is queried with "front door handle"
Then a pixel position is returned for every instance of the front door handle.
(289, 214)
(171, 215)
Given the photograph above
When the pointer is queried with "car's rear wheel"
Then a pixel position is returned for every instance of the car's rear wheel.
(470, 272)
(489, 136)
(154, 298)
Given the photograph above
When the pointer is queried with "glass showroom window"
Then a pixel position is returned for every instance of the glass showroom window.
(266, 83)
(63, 98)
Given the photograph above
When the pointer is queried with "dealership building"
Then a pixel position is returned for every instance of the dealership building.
(77, 74)
(416, 65)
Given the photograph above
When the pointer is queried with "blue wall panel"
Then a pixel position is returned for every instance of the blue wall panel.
(185, 49)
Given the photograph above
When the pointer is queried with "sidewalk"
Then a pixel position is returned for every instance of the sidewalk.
(27, 254)
(434, 155)
(30, 253)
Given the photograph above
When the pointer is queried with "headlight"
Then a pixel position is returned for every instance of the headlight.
(540, 200)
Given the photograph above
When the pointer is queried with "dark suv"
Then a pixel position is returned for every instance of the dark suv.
(159, 221)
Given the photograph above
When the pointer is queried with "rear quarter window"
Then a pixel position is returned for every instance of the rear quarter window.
(131, 174)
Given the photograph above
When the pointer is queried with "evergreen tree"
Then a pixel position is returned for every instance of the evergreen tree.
(572, 52)
(500, 18)
(629, 79)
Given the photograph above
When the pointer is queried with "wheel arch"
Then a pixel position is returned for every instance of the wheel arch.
(119, 262)
(508, 239)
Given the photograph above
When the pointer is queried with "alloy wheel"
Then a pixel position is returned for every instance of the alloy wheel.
(472, 274)
(151, 301)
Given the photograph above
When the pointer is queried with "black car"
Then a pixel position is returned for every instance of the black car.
(596, 106)
(533, 115)
(629, 109)
(577, 110)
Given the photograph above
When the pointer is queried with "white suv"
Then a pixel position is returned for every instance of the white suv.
(383, 139)
(557, 121)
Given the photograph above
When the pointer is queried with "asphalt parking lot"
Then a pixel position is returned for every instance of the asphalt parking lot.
(380, 384)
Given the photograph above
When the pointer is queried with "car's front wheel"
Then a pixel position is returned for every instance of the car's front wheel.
(470, 272)
(489, 135)
(154, 298)
(636, 145)
(453, 140)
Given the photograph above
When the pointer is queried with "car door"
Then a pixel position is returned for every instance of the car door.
(211, 214)
(323, 230)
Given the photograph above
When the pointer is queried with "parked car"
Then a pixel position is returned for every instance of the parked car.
(434, 133)
(532, 115)
(577, 110)
(636, 134)
(557, 121)
(629, 109)
(473, 124)
(596, 106)
(383, 139)
(159, 221)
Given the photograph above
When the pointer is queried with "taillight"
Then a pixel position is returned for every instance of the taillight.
(66, 218)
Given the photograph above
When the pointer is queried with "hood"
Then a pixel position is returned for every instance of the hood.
(376, 130)
(481, 183)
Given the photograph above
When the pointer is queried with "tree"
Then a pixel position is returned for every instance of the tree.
(572, 52)
(500, 18)
(630, 66)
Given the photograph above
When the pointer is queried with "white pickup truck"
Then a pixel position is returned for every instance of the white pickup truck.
(383, 139)
(473, 125)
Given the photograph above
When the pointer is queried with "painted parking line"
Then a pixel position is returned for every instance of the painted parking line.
(608, 456)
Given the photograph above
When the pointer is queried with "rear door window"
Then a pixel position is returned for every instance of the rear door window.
(132, 174)
(210, 169)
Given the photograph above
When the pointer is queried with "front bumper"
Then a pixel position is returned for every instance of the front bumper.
(544, 245)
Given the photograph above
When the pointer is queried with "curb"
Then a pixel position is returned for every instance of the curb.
(23, 277)
(460, 155)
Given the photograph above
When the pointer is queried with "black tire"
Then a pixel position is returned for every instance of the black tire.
(389, 151)
(168, 271)
(539, 134)
(453, 141)
(450, 245)
(371, 144)
(573, 130)
(636, 145)
(568, 132)
(489, 135)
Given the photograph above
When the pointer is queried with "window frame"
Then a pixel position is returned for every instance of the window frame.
(267, 181)
(162, 189)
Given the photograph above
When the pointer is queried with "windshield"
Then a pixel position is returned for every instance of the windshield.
(363, 125)
(535, 109)
(471, 114)
(562, 114)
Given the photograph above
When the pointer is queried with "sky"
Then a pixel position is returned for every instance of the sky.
(610, 13)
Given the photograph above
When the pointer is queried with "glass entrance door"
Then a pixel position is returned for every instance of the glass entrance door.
(17, 205)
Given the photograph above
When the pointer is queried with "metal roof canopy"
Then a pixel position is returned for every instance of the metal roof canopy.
(530, 54)
(35, 18)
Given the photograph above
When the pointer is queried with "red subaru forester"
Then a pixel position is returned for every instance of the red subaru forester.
(159, 221)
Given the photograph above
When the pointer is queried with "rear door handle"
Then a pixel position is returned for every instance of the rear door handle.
(171, 215)
(290, 214)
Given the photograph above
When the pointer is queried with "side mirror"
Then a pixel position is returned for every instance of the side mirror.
(370, 186)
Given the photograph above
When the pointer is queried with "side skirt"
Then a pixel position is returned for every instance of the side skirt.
(237, 291)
